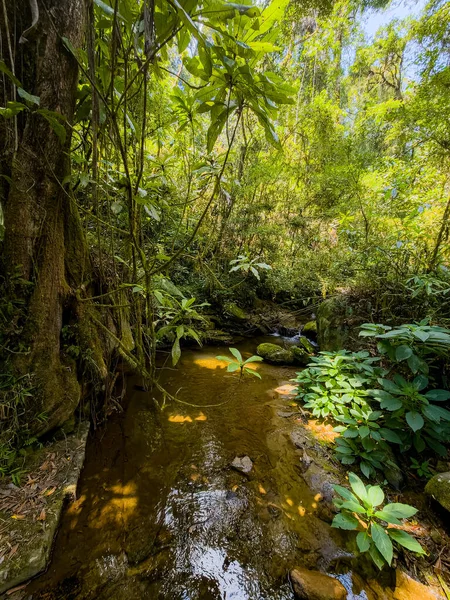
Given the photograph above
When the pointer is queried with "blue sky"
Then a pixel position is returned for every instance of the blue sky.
(398, 9)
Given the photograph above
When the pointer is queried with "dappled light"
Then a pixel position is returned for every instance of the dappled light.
(224, 298)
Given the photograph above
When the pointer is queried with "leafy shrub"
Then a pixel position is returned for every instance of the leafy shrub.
(361, 510)
(413, 343)
(374, 407)
(336, 381)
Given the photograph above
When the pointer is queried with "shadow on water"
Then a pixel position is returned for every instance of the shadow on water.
(161, 514)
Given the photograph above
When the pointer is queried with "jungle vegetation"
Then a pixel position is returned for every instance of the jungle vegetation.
(162, 158)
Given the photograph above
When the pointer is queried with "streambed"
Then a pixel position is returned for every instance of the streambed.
(162, 515)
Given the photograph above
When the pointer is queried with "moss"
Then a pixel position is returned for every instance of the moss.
(274, 354)
(331, 329)
(235, 311)
(310, 328)
(439, 488)
(306, 344)
(301, 355)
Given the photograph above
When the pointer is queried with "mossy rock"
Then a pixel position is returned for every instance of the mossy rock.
(310, 328)
(306, 344)
(439, 488)
(275, 355)
(332, 332)
(301, 355)
(235, 311)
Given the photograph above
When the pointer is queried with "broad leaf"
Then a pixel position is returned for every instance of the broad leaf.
(382, 542)
(414, 420)
(406, 540)
(345, 521)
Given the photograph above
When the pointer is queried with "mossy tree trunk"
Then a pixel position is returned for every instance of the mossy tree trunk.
(45, 260)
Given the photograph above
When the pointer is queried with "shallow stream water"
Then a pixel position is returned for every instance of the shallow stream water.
(160, 512)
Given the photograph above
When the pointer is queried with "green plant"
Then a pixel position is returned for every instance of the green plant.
(243, 263)
(422, 468)
(239, 363)
(413, 343)
(378, 526)
(413, 413)
(336, 381)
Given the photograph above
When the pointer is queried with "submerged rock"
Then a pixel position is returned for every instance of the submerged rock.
(243, 464)
(314, 585)
(274, 354)
(439, 488)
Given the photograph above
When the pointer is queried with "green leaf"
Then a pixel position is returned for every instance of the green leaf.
(54, 120)
(180, 331)
(227, 358)
(232, 367)
(403, 352)
(235, 352)
(389, 435)
(385, 516)
(382, 542)
(353, 506)
(406, 540)
(108, 10)
(345, 521)
(189, 23)
(344, 492)
(438, 395)
(436, 413)
(358, 487)
(28, 97)
(414, 420)
(215, 128)
(363, 541)
(253, 359)
(376, 556)
(253, 372)
(176, 351)
(414, 363)
(399, 510)
(4, 69)
(376, 495)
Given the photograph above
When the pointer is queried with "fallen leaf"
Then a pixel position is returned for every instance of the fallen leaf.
(201, 417)
(50, 491)
(18, 517)
(13, 551)
(42, 516)
(261, 489)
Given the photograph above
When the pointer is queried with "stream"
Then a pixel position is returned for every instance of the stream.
(161, 514)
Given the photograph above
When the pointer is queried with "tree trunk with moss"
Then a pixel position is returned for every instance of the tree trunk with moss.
(45, 262)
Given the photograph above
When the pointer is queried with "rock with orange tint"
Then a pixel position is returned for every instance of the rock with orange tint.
(406, 588)
(314, 585)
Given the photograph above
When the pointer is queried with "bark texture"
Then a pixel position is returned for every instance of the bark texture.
(44, 242)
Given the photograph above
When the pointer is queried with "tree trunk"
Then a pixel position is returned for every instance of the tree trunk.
(45, 257)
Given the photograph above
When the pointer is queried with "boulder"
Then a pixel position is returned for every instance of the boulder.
(314, 585)
(439, 488)
(274, 354)
(310, 328)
